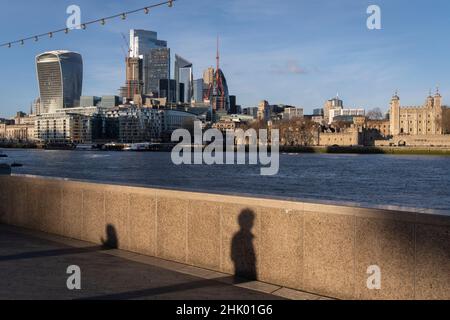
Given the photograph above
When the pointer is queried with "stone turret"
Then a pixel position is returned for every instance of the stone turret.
(395, 114)
(438, 113)
(437, 100)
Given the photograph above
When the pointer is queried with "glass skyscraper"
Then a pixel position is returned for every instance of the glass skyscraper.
(142, 41)
(155, 57)
(221, 97)
(199, 86)
(184, 73)
(60, 78)
(156, 67)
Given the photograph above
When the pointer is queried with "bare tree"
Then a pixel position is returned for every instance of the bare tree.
(297, 132)
(256, 124)
(340, 125)
(375, 114)
(445, 121)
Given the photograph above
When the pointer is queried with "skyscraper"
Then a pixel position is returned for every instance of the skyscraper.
(217, 91)
(143, 41)
(184, 73)
(208, 82)
(233, 105)
(151, 57)
(220, 95)
(60, 78)
(198, 90)
(156, 67)
(167, 90)
(134, 81)
(208, 76)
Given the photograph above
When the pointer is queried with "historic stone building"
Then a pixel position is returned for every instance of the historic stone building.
(424, 120)
(20, 129)
(348, 137)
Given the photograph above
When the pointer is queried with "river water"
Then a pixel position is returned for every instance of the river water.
(365, 180)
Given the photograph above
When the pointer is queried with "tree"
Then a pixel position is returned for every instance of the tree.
(257, 124)
(375, 114)
(297, 132)
(340, 125)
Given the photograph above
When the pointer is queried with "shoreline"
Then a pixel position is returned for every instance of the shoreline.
(431, 151)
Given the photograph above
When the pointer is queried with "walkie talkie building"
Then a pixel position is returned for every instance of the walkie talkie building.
(60, 78)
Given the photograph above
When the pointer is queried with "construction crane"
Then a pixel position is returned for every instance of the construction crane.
(127, 57)
(216, 88)
(219, 85)
(127, 44)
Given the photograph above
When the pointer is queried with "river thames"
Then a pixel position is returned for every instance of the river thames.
(368, 180)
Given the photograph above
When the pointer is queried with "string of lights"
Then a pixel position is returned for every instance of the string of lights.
(84, 25)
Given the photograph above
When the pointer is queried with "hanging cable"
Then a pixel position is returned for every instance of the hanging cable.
(83, 26)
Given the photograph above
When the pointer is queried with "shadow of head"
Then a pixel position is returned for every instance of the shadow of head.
(246, 220)
(111, 241)
(242, 248)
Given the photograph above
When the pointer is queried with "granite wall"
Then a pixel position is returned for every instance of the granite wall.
(322, 249)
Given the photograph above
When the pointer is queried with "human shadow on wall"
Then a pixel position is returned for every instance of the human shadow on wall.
(242, 249)
(111, 241)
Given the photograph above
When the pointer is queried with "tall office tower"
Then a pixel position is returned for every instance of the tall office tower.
(233, 106)
(208, 76)
(143, 41)
(167, 89)
(264, 111)
(134, 82)
(198, 90)
(181, 91)
(184, 73)
(208, 81)
(221, 98)
(152, 59)
(156, 67)
(60, 78)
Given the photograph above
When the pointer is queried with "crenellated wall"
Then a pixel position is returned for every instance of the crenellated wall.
(323, 249)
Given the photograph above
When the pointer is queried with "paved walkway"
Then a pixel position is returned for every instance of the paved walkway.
(33, 266)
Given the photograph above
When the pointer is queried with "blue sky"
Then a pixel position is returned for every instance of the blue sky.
(292, 51)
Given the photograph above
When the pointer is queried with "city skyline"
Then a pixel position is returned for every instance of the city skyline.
(302, 69)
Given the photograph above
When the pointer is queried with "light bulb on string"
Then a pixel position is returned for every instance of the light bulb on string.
(83, 26)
